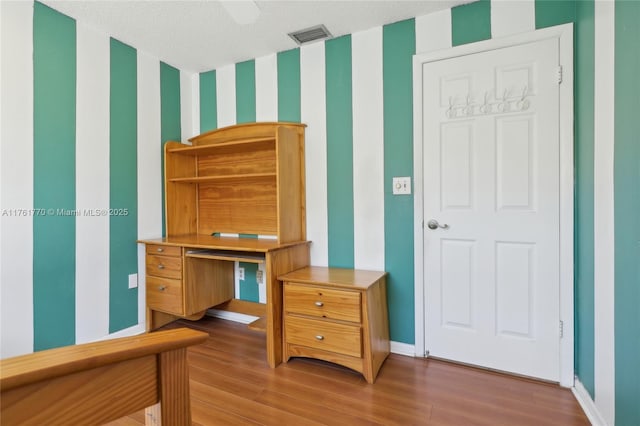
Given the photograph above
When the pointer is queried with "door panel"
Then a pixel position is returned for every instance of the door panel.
(456, 166)
(491, 174)
(514, 163)
(457, 283)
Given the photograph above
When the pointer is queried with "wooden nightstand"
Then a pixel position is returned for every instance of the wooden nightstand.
(337, 315)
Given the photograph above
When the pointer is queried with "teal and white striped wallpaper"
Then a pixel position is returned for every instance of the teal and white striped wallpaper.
(84, 117)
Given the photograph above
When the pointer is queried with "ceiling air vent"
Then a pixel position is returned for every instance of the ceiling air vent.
(319, 32)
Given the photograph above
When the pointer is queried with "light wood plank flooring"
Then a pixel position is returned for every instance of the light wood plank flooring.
(231, 384)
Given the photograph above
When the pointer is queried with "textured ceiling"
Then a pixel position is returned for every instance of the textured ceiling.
(200, 35)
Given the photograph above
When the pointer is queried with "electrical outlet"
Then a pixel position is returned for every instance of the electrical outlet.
(133, 280)
(241, 274)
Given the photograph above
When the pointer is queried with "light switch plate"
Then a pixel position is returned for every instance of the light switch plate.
(402, 185)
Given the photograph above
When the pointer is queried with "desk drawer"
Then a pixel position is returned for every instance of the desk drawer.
(164, 266)
(164, 250)
(322, 302)
(165, 295)
(326, 335)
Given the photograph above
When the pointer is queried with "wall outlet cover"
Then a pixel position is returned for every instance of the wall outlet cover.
(133, 280)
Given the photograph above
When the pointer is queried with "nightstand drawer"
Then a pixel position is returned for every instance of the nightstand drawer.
(164, 250)
(164, 266)
(322, 302)
(165, 295)
(321, 334)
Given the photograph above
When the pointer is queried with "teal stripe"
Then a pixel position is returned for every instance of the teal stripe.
(54, 186)
(246, 92)
(554, 12)
(339, 152)
(471, 22)
(398, 50)
(550, 13)
(557, 12)
(627, 212)
(208, 101)
(289, 86)
(123, 186)
(584, 197)
(169, 116)
(249, 286)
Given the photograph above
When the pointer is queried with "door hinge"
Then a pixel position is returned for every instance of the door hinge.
(559, 74)
(561, 329)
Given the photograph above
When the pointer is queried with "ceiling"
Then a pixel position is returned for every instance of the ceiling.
(201, 35)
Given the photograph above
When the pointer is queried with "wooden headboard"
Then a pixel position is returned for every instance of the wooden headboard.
(95, 383)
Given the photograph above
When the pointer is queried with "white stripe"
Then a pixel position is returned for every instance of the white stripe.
(512, 17)
(433, 31)
(16, 184)
(142, 285)
(195, 104)
(267, 88)
(313, 112)
(149, 148)
(262, 285)
(92, 184)
(187, 110)
(236, 279)
(603, 214)
(368, 150)
(226, 95)
(149, 160)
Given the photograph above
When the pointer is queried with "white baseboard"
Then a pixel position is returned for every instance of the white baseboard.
(403, 349)
(231, 316)
(127, 332)
(588, 405)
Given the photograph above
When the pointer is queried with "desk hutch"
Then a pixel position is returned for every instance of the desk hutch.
(248, 180)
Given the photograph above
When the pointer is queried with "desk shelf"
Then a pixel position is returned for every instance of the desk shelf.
(226, 179)
(244, 179)
(244, 144)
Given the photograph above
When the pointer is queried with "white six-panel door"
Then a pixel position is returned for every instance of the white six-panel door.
(491, 181)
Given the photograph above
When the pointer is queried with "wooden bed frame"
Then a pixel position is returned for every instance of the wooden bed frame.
(95, 383)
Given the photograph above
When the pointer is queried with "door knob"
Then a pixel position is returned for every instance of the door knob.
(433, 224)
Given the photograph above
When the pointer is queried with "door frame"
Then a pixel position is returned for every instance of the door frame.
(564, 35)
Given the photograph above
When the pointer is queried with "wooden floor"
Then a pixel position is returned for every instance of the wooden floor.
(231, 384)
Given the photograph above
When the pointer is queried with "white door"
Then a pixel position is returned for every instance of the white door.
(491, 181)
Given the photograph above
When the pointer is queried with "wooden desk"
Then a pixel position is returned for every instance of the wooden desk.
(188, 274)
(246, 179)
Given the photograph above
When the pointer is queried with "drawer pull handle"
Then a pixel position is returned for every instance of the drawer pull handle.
(319, 337)
(160, 266)
(160, 249)
(162, 288)
(319, 304)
